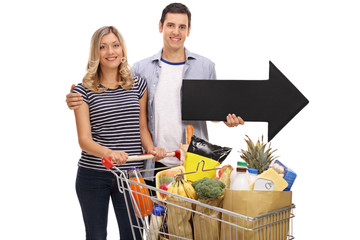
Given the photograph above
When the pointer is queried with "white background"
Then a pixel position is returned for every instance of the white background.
(44, 49)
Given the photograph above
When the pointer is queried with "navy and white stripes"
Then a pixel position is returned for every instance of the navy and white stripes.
(114, 119)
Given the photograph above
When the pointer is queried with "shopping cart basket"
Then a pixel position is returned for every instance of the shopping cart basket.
(187, 218)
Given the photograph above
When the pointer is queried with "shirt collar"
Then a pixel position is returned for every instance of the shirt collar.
(189, 55)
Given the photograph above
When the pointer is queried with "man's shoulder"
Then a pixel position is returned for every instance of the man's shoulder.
(145, 67)
(201, 59)
(200, 67)
(145, 61)
(198, 56)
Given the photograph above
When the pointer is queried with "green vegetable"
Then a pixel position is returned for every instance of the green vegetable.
(165, 179)
(207, 188)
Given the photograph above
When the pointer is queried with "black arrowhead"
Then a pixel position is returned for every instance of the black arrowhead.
(275, 101)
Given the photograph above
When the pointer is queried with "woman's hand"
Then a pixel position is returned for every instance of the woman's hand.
(118, 157)
(158, 152)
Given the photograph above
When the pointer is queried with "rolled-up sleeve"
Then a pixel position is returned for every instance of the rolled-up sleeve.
(212, 71)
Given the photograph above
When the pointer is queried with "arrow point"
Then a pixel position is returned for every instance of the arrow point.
(289, 101)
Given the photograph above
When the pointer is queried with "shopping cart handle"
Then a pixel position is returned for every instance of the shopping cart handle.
(175, 153)
(106, 161)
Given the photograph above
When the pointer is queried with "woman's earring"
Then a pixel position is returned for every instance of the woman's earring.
(123, 59)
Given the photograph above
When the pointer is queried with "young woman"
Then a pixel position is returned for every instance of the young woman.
(112, 123)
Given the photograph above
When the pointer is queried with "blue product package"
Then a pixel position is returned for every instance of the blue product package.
(289, 175)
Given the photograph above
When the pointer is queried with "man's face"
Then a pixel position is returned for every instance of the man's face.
(175, 30)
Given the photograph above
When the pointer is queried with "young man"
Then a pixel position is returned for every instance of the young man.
(164, 73)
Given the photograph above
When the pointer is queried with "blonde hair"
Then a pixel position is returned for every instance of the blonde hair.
(91, 79)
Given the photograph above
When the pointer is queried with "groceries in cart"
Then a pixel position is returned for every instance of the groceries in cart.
(156, 221)
(212, 155)
(205, 198)
(256, 168)
(240, 181)
(140, 194)
(182, 187)
(272, 175)
(164, 179)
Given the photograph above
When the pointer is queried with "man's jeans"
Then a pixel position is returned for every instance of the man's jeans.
(94, 189)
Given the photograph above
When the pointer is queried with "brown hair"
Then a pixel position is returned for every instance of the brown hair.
(175, 8)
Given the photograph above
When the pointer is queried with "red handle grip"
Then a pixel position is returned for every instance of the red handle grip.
(106, 161)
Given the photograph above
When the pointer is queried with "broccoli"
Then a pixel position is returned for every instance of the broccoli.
(207, 188)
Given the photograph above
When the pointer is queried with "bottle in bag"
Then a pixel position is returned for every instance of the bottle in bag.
(240, 181)
(141, 194)
(156, 221)
(252, 174)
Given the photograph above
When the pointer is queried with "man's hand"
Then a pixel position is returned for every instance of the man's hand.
(158, 152)
(233, 121)
(73, 100)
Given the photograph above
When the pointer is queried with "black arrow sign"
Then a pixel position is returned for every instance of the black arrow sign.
(275, 101)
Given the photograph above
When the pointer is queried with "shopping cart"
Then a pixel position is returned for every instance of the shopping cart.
(186, 218)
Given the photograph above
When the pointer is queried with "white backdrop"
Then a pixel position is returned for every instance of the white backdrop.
(45, 48)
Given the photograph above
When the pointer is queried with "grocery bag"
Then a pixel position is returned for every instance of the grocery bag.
(206, 220)
(178, 218)
(204, 148)
(253, 204)
(183, 149)
(199, 149)
(191, 164)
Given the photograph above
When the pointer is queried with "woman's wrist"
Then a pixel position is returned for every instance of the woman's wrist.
(107, 152)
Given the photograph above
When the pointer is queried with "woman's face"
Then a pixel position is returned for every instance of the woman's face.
(110, 52)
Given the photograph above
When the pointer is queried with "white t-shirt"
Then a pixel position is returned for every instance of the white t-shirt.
(167, 103)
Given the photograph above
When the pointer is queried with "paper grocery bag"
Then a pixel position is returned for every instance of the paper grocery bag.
(183, 149)
(179, 218)
(253, 204)
(206, 220)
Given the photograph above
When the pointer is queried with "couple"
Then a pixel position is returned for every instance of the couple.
(127, 110)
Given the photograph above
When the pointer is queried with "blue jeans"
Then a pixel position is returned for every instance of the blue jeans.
(94, 189)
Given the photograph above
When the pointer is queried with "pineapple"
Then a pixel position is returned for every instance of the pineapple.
(256, 156)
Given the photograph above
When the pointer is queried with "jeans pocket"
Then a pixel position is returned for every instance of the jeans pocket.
(93, 179)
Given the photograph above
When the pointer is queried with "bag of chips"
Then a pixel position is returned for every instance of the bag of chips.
(199, 149)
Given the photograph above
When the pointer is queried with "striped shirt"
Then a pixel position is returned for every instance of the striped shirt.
(114, 120)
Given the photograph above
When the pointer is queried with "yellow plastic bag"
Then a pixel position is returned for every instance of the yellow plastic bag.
(191, 162)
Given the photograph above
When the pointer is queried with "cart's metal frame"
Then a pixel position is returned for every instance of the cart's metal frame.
(230, 225)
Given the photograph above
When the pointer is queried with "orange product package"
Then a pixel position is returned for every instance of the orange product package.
(140, 193)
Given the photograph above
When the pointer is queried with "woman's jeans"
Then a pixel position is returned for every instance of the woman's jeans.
(94, 189)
